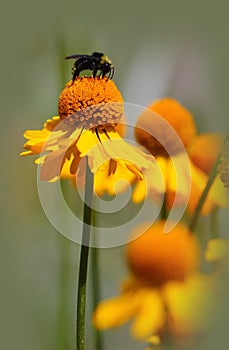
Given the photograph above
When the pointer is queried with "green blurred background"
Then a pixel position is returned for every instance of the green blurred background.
(158, 48)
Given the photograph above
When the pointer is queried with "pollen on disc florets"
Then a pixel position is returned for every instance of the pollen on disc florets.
(91, 102)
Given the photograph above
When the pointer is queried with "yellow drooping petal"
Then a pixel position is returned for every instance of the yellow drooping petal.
(190, 303)
(115, 312)
(114, 183)
(179, 176)
(150, 316)
(62, 154)
(52, 123)
(154, 340)
(87, 141)
(153, 184)
(36, 141)
(38, 138)
(110, 145)
(172, 176)
(34, 135)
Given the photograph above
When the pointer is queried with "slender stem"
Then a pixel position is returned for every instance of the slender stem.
(204, 194)
(82, 284)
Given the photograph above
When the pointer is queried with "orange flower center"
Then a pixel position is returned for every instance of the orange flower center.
(91, 102)
(157, 257)
(157, 136)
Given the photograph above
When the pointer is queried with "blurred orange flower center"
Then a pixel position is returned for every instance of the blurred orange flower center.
(156, 131)
(157, 257)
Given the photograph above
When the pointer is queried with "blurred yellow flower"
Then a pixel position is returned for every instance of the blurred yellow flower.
(202, 152)
(90, 110)
(165, 294)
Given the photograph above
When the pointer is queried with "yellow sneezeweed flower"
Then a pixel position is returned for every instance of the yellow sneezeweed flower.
(90, 110)
(165, 294)
(148, 133)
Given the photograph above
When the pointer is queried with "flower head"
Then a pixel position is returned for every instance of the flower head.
(89, 112)
(202, 151)
(97, 101)
(165, 289)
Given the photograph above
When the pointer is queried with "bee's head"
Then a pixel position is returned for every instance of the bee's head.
(105, 59)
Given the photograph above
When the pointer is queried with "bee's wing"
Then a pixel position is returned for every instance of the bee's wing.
(78, 56)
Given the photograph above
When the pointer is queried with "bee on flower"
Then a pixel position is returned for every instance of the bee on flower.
(90, 110)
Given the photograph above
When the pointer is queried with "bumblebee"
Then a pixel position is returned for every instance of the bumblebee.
(96, 62)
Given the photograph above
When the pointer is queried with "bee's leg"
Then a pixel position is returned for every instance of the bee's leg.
(112, 73)
(75, 75)
(108, 76)
(94, 72)
(75, 72)
(101, 73)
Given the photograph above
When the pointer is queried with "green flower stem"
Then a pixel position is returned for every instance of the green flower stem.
(82, 282)
(204, 194)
